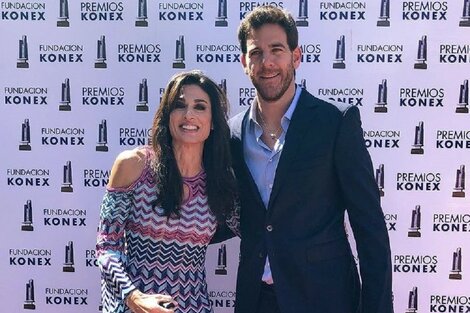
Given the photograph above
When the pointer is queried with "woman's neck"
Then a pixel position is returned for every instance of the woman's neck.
(189, 159)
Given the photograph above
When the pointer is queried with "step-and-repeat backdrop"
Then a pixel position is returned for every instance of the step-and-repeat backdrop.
(81, 80)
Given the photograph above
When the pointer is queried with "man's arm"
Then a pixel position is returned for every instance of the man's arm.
(362, 200)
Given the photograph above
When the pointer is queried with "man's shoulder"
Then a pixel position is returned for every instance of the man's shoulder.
(235, 122)
(331, 106)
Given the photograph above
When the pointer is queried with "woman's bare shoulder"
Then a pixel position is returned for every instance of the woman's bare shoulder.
(127, 168)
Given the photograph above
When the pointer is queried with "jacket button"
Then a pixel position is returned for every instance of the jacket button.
(269, 228)
(261, 255)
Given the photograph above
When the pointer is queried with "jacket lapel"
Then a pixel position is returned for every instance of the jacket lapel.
(299, 126)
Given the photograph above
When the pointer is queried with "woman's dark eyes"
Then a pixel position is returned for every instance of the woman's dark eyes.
(200, 107)
(197, 106)
(179, 105)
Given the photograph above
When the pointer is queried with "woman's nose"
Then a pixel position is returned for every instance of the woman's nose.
(189, 113)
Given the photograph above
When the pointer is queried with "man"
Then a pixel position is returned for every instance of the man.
(300, 163)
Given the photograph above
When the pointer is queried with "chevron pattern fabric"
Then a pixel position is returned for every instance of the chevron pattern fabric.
(138, 247)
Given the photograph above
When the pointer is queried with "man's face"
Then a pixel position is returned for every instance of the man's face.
(269, 62)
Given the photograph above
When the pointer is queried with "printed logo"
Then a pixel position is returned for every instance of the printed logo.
(100, 61)
(139, 53)
(25, 136)
(131, 136)
(141, 20)
(183, 11)
(445, 222)
(221, 19)
(381, 105)
(68, 53)
(27, 224)
(246, 96)
(413, 301)
(338, 11)
(221, 261)
(340, 55)
(418, 142)
(24, 96)
(384, 14)
(23, 11)
(391, 221)
(23, 53)
(422, 54)
(465, 19)
(66, 296)
(453, 139)
(379, 179)
(310, 53)
(415, 264)
(248, 6)
(223, 86)
(95, 177)
(422, 97)
(418, 181)
(456, 271)
(102, 144)
(62, 217)
(28, 177)
(462, 106)
(112, 96)
(67, 185)
(91, 259)
(63, 14)
(353, 96)
(415, 227)
(302, 18)
(222, 298)
(382, 139)
(424, 10)
(62, 136)
(69, 263)
(178, 62)
(217, 53)
(65, 96)
(101, 11)
(454, 53)
(459, 188)
(142, 105)
(449, 303)
(30, 257)
(29, 303)
(379, 53)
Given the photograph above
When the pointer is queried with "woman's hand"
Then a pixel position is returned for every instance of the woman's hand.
(140, 302)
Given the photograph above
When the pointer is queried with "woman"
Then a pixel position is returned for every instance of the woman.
(163, 204)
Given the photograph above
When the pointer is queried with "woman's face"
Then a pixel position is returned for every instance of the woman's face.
(191, 118)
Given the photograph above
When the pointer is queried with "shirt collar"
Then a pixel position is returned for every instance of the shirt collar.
(289, 112)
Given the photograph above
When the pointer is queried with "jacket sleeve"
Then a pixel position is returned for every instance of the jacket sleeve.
(111, 244)
(362, 201)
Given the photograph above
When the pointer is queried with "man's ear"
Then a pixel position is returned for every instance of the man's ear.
(296, 57)
(243, 61)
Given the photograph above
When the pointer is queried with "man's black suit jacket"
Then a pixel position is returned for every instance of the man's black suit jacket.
(324, 169)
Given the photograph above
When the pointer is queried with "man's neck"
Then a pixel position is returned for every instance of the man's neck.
(273, 111)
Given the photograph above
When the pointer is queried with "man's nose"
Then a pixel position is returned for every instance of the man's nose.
(268, 59)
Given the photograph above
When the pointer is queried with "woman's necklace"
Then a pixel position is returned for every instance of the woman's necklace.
(274, 135)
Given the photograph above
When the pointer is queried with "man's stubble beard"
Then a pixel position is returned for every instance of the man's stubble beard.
(280, 92)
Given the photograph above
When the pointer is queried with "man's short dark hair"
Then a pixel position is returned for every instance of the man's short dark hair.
(268, 14)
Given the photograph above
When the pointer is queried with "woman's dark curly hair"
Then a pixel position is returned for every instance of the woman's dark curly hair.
(220, 181)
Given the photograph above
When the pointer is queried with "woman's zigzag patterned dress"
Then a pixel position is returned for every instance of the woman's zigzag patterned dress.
(138, 247)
